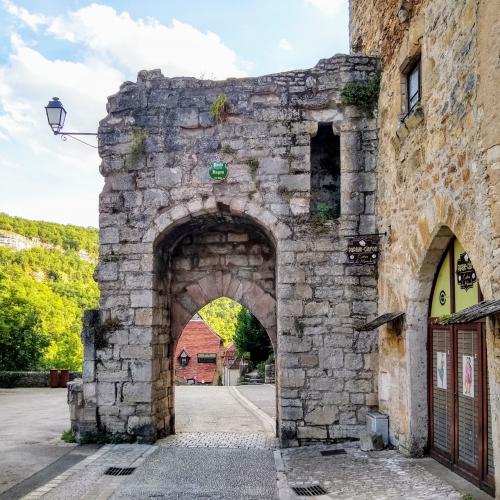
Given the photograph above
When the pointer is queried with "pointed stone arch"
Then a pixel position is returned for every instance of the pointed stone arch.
(247, 293)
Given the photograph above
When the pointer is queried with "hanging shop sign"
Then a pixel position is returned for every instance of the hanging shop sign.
(466, 275)
(218, 170)
(362, 251)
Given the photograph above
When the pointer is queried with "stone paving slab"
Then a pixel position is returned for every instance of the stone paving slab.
(357, 475)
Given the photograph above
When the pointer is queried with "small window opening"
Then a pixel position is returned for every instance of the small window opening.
(325, 172)
(184, 359)
(413, 86)
(207, 358)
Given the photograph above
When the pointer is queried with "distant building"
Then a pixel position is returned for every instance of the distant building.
(198, 355)
(231, 363)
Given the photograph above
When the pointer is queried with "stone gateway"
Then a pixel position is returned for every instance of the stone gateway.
(272, 235)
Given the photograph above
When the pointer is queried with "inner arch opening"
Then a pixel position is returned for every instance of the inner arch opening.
(224, 366)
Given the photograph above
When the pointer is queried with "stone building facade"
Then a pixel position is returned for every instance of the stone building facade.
(272, 236)
(438, 177)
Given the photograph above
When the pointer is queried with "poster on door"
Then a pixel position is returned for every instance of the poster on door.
(441, 370)
(468, 376)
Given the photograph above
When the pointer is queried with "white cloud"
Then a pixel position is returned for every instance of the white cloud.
(113, 48)
(327, 7)
(32, 20)
(134, 44)
(285, 44)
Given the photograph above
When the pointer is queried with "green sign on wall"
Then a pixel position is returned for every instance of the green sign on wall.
(218, 170)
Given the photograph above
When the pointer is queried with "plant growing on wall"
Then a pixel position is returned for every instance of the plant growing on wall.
(219, 109)
(138, 149)
(364, 95)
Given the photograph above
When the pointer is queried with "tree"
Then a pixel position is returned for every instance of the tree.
(221, 315)
(251, 337)
(22, 343)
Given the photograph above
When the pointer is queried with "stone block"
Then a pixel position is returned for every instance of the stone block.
(323, 415)
(137, 392)
(291, 378)
(316, 308)
(331, 358)
(310, 432)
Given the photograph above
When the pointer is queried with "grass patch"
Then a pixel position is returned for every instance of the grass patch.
(68, 436)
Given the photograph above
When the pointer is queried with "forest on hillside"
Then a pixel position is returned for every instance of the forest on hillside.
(44, 292)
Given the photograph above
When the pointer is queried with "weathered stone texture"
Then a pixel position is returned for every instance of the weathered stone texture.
(437, 176)
(172, 240)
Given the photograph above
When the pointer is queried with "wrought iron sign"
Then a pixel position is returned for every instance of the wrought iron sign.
(362, 251)
(466, 275)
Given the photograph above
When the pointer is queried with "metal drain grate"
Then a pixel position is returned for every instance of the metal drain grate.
(309, 491)
(119, 471)
(327, 453)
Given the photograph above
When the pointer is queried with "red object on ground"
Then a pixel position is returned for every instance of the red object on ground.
(63, 378)
(54, 378)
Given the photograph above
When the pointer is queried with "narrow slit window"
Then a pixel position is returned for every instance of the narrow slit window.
(325, 173)
(413, 80)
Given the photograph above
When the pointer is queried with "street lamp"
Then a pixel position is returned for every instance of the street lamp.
(56, 114)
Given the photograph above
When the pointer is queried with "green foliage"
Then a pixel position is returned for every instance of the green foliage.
(363, 95)
(220, 108)
(22, 342)
(43, 293)
(65, 236)
(138, 150)
(261, 369)
(68, 437)
(251, 337)
(323, 213)
(221, 315)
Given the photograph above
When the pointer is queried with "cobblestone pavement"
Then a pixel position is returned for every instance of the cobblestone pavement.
(245, 441)
(382, 475)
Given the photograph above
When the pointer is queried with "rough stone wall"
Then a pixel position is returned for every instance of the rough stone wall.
(241, 256)
(438, 175)
(156, 144)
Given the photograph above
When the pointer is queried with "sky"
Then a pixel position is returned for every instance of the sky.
(81, 51)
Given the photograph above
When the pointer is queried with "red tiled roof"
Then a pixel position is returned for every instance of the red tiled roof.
(197, 338)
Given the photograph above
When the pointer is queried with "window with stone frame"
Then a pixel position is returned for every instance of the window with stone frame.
(325, 173)
(413, 86)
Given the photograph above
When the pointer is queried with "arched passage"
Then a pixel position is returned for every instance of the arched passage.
(208, 364)
(196, 261)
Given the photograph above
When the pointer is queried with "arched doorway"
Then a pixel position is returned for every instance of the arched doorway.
(197, 261)
(222, 366)
(460, 430)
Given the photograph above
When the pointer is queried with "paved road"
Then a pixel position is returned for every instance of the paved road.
(215, 409)
(262, 396)
(32, 421)
(223, 449)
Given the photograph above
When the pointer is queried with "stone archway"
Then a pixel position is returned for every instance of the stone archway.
(196, 261)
